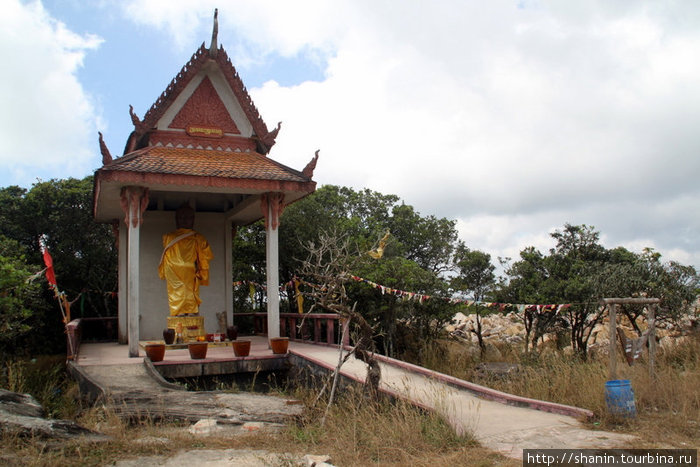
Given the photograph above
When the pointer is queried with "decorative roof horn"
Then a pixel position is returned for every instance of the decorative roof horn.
(213, 47)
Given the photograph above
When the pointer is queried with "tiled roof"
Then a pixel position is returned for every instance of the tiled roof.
(205, 163)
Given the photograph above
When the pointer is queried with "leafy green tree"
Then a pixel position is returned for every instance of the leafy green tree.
(475, 279)
(84, 251)
(248, 265)
(11, 212)
(416, 254)
(580, 271)
(428, 241)
(19, 297)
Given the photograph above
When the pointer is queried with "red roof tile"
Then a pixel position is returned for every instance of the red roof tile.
(205, 163)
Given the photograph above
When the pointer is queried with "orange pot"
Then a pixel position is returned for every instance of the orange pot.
(279, 345)
(155, 352)
(241, 348)
(198, 350)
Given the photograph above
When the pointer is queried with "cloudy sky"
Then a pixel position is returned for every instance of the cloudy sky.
(512, 117)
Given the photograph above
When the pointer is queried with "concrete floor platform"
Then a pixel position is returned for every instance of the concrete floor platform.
(177, 363)
(112, 353)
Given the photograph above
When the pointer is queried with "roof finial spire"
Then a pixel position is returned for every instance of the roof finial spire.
(215, 32)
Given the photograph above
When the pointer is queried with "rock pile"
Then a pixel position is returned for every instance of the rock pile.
(509, 328)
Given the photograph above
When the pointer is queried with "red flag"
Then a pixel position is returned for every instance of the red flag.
(50, 274)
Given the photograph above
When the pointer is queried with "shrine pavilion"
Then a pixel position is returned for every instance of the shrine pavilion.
(202, 142)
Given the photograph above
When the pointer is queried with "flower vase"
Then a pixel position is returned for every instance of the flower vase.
(241, 348)
(155, 352)
(198, 350)
(279, 345)
(169, 336)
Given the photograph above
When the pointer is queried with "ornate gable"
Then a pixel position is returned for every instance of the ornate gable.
(204, 109)
(207, 94)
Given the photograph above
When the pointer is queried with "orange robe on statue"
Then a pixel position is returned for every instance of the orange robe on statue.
(185, 266)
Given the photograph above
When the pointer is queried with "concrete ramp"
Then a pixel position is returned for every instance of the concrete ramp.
(502, 422)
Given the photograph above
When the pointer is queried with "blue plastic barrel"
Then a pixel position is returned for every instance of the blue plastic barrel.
(620, 398)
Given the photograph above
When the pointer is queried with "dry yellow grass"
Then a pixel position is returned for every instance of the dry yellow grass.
(668, 404)
(358, 433)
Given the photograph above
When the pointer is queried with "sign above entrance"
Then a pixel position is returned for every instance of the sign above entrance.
(204, 131)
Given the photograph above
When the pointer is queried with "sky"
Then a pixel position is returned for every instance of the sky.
(510, 117)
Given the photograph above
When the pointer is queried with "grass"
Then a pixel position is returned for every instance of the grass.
(45, 378)
(360, 433)
(357, 432)
(668, 404)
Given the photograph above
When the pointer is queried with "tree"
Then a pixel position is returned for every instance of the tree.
(416, 254)
(11, 212)
(19, 298)
(579, 271)
(328, 265)
(428, 241)
(84, 252)
(475, 279)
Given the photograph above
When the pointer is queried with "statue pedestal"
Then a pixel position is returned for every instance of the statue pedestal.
(192, 326)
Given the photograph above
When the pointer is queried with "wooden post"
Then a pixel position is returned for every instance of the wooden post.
(283, 327)
(330, 331)
(612, 308)
(345, 331)
(317, 330)
(292, 329)
(612, 303)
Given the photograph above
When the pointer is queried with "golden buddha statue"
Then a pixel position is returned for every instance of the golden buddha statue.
(184, 264)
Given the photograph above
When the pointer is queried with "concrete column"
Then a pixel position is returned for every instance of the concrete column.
(272, 272)
(134, 200)
(123, 291)
(272, 205)
(228, 258)
(133, 284)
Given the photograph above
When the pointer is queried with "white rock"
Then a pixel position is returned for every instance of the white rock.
(311, 460)
(204, 427)
(459, 317)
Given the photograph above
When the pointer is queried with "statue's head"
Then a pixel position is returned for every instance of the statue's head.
(184, 217)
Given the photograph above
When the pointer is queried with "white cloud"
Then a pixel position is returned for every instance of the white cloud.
(282, 27)
(47, 119)
(514, 117)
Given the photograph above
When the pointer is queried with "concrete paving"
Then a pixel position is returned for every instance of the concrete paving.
(132, 388)
(502, 427)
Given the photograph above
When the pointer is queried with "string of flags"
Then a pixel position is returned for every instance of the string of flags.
(502, 307)
(391, 291)
(420, 298)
